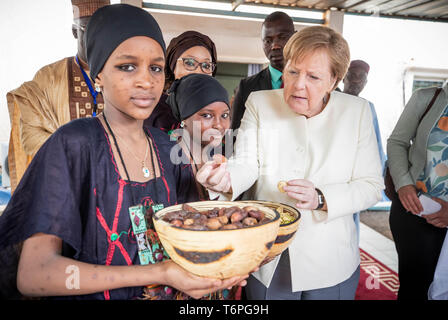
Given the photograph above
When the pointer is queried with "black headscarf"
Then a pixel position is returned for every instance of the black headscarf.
(110, 25)
(182, 43)
(193, 92)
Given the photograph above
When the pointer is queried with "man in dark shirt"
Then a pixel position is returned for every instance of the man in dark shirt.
(277, 28)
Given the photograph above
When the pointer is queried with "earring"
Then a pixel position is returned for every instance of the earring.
(182, 124)
(97, 87)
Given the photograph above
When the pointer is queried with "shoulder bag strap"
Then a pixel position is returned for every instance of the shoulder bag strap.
(430, 104)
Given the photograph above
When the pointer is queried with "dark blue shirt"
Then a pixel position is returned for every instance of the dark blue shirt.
(73, 190)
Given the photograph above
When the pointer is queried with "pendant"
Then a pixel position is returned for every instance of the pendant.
(146, 172)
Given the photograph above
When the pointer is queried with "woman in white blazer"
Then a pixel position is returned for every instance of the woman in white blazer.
(322, 142)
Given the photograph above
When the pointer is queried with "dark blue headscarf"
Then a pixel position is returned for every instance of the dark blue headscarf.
(193, 92)
(111, 25)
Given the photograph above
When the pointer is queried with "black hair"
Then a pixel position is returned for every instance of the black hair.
(278, 15)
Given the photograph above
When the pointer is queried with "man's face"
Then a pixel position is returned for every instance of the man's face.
(355, 81)
(274, 35)
(79, 27)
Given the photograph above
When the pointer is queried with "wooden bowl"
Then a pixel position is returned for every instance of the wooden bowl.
(221, 253)
(286, 232)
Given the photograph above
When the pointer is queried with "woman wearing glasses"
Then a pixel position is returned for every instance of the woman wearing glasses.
(190, 52)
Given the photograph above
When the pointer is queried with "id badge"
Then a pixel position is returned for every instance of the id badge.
(138, 219)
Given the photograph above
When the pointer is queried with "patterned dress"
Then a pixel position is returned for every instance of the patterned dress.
(434, 179)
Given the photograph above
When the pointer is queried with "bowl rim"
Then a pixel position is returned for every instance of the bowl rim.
(158, 218)
(266, 202)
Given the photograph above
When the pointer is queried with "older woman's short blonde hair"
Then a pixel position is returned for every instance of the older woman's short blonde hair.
(311, 39)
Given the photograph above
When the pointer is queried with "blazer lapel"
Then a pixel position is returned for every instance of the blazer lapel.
(265, 83)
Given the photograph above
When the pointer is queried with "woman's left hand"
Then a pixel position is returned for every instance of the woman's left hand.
(440, 218)
(303, 191)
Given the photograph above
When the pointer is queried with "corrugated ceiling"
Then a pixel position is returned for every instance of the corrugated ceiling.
(434, 10)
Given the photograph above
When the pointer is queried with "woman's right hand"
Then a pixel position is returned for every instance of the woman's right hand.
(214, 176)
(195, 286)
(409, 199)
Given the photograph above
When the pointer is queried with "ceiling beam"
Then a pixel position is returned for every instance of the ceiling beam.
(137, 3)
(236, 4)
(238, 14)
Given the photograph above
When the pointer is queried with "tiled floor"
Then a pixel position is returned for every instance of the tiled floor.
(378, 246)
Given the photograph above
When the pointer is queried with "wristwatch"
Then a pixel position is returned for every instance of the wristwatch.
(320, 199)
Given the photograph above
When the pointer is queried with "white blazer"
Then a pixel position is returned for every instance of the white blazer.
(337, 151)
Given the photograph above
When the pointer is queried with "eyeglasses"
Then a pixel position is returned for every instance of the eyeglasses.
(191, 64)
(83, 28)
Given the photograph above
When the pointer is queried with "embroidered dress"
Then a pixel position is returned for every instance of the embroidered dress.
(73, 190)
(434, 179)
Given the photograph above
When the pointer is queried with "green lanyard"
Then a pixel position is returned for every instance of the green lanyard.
(145, 250)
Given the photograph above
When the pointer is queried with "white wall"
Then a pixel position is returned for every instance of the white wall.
(232, 43)
(32, 34)
(390, 46)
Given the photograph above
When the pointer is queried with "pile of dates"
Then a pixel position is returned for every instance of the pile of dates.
(216, 218)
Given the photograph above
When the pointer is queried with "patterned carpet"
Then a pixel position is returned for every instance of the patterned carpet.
(377, 281)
